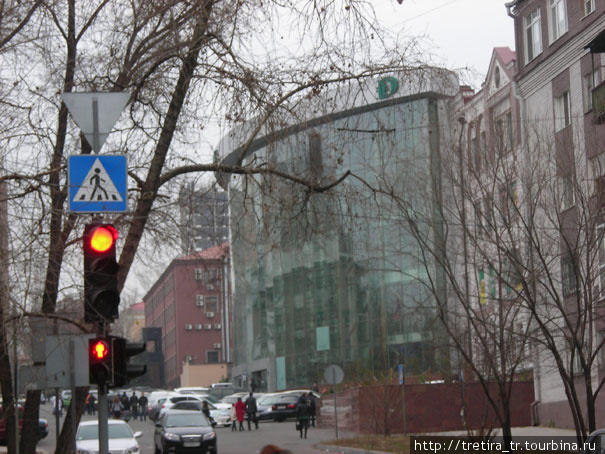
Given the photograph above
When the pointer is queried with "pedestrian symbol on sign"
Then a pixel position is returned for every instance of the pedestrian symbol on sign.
(97, 186)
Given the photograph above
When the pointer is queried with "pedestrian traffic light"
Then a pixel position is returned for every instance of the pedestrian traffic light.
(123, 371)
(99, 360)
(101, 296)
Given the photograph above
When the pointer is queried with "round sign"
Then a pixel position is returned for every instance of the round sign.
(333, 375)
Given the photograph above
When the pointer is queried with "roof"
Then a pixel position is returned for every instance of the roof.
(215, 252)
(506, 55)
(140, 306)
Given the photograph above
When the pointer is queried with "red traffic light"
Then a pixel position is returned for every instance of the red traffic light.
(99, 350)
(102, 238)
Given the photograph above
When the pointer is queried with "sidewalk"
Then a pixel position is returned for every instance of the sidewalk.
(530, 431)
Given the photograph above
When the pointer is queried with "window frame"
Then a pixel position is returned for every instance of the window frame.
(562, 110)
(589, 3)
(532, 25)
(589, 82)
(556, 26)
(600, 236)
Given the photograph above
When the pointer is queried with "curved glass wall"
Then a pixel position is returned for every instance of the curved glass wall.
(335, 277)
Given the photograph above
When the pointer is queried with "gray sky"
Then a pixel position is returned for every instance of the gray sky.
(459, 33)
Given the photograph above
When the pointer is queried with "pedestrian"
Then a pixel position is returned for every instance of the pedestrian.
(116, 407)
(206, 410)
(273, 449)
(93, 404)
(251, 410)
(87, 404)
(315, 388)
(302, 415)
(233, 416)
(125, 401)
(240, 411)
(57, 405)
(312, 408)
(134, 405)
(143, 401)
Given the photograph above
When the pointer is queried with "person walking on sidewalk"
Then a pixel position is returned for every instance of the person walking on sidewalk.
(134, 405)
(143, 401)
(251, 410)
(233, 416)
(302, 415)
(240, 411)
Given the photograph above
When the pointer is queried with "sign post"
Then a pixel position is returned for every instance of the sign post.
(334, 375)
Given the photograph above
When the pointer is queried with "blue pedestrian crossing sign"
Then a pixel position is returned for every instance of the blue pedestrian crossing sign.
(97, 183)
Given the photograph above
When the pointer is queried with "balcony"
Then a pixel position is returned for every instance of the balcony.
(598, 103)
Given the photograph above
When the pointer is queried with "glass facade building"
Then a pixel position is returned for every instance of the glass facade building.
(335, 277)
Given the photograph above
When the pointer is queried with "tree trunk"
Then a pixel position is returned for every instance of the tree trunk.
(64, 443)
(29, 434)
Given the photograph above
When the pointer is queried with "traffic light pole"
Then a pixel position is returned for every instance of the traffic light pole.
(103, 409)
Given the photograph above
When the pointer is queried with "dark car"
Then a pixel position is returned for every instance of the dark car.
(284, 408)
(183, 431)
(42, 426)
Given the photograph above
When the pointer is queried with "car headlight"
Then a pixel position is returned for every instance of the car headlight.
(209, 436)
(172, 437)
(133, 450)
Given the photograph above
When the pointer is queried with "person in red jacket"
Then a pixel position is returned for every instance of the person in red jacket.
(240, 412)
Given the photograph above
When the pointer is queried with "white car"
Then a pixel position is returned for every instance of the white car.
(121, 438)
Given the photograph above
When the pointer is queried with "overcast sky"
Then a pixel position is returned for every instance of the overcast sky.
(459, 33)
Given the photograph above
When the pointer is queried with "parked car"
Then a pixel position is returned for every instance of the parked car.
(218, 415)
(121, 438)
(221, 391)
(284, 407)
(42, 425)
(264, 406)
(169, 402)
(184, 431)
(192, 390)
(66, 397)
(232, 398)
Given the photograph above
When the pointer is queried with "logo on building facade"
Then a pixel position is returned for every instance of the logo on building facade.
(387, 87)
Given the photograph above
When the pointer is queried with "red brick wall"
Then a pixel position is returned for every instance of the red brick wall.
(429, 408)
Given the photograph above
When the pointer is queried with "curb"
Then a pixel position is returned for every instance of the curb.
(345, 450)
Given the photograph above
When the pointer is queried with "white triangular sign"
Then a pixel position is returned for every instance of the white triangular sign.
(97, 186)
(109, 107)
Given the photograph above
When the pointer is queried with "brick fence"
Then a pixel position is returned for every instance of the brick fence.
(429, 408)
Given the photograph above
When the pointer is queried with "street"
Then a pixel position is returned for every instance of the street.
(281, 434)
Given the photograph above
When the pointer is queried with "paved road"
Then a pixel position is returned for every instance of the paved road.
(249, 442)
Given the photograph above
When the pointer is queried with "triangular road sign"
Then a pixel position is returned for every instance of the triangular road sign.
(97, 186)
(109, 107)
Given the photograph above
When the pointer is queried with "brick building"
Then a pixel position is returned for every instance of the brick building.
(190, 302)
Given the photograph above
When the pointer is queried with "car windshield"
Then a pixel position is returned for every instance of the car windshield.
(211, 398)
(115, 431)
(192, 420)
(276, 400)
(229, 399)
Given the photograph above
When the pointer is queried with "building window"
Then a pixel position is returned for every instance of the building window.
(198, 274)
(568, 194)
(568, 277)
(558, 19)
(590, 81)
(508, 201)
(588, 6)
(504, 134)
(562, 111)
(533, 35)
(212, 356)
(210, 276)
(211, 304)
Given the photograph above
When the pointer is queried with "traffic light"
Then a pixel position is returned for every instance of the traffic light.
(99, 360)
(101, 296)
(123, 371)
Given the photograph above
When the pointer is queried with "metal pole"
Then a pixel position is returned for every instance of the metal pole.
(95, 125)
(16, 388)
(72, 379)
(57, 416)
(405, 429)
(103, 432)
(335, 411)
